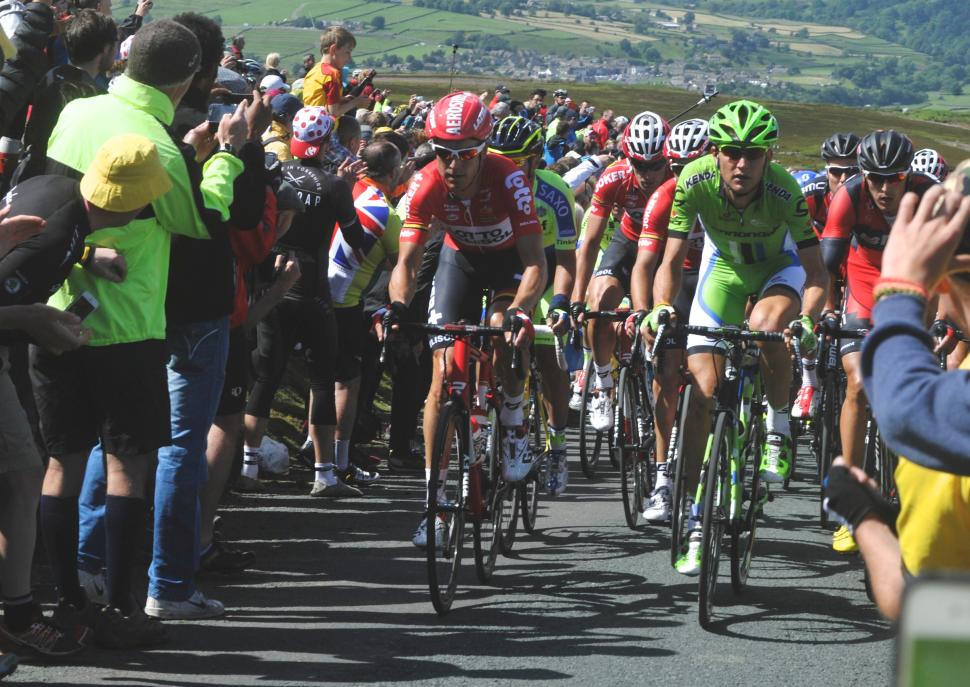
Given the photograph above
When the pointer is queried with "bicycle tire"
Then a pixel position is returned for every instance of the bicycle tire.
(627, 446)
(488, 531)
(745, 526)
(827, 441)
(679, 501)
(443, 565)
(530, 487)
(589, 446)
(712, 529)
(887, 471)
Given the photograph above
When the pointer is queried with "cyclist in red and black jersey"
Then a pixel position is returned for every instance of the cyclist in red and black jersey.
(493, 242)
(859, 220)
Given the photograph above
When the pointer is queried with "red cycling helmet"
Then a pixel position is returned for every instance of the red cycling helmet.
(459, 116)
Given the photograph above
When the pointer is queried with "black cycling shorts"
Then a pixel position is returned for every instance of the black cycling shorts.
(618, 260)
(461, 280)
(853, 321)
(351, 327)
(238, 362)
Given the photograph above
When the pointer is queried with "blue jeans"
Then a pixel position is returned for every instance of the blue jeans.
(196, 372)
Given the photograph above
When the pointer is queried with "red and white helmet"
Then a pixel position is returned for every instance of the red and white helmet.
(930, 162)
(312, 127)
(687, 141)
(644, 136)
(458, 116)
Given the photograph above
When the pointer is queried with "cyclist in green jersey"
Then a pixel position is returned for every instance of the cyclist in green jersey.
(759, 242)
(520, 140)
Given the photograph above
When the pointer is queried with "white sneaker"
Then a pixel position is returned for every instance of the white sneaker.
(420, 537)
(94, 587)
(558, 476)
(518, 459)
(690, 563)
(576, 400)
(658, 506)
(195, 607)
(806, 403)
(601, 411)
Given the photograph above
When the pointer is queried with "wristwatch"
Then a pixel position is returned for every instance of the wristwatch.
(228, 148)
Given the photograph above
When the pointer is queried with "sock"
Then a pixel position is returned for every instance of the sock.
(18, 613)
(778, 421)
(557, 438)
(323, 472)
(341, 451)
(604, 376)
(808, 373)
(307, 444)
(427, 484)
(250, 466)
(511, 415)
(123, 526)
(59, 527)
(662, 479)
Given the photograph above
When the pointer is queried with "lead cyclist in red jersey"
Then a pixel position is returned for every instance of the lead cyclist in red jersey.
(493, 242)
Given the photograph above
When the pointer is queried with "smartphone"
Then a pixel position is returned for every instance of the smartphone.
(216, 112)
(84, 305)
(933, 644)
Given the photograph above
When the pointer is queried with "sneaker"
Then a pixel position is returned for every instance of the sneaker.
(601, 411)
(222, 559)
(658, 505)
(46, 638)
(363, 460)
(67, 616)
(576, 400)
(843, 541)
(558, 472)
(118, 631)
(339, 489)
(195, 607)
(420, 536)
(248, 485)
(94, 586)
(806, 403)
(518, 461)
(776, 459)
(359, 478)
(690, 563)
(406, 461)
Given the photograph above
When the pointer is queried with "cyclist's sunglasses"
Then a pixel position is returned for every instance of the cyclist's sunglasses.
(736, 152)
(471, 153)
(654, 166)
(893, 178)
(837, 171)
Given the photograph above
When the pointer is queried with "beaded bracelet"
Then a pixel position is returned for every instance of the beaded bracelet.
(891, 286)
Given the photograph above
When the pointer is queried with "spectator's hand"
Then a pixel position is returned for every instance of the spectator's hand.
(233, 129)
(109, 264)
(202, 140)
(144, 6)
(16, 230)
(350, 172)
(287, 270)
(924, 237)
(55, 330)
(259, 115)
(412, 103)
(228, 61)
(483, 96)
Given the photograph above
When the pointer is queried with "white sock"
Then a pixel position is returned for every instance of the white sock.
(662, 479)
(778, 421)
(604, 376)
(250, 466)
(808, 373)
(323, 472)
(511, 414)
(341, 451)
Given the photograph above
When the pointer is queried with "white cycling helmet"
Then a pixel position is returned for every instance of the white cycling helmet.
(930, 162)
(687, 141)
(620, 122)
(644, 137)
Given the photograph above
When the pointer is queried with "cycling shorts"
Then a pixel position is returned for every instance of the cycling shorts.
(853, 321)
(460, 281)
(724, 288)
(618, 260)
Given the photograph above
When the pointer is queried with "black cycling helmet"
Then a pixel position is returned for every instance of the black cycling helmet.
(516, 137)
(839, 145)
(885, 152)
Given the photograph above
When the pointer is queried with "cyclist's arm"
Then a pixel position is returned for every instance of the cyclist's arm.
(884, 561)
(816, 281)
(641, 279)
(404, 276)
(835, 239)
(562, 281)
(586, 254)
(533, 258)
(666, 284)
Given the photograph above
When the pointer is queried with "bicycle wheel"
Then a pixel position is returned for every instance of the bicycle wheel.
(716, 499)
(531, 486)
(590, 441)
(508, 493)
(675, 470)
(744, 525)
(488, 530)
(627, 447)
(887, 471)
(828, 440)
(446, 503)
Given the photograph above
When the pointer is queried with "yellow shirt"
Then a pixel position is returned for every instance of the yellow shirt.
(322, 86)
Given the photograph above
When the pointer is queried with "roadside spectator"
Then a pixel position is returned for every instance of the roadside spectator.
(273, 85)
(323, 85)
(602, 129)
(536, 108)
(500, 111)
(237, 46)
(276, 139)
(305, 67)
(502, 95)
(272, 66)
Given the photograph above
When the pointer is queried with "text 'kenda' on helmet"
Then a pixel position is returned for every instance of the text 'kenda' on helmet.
(745, 124)
(459, 116)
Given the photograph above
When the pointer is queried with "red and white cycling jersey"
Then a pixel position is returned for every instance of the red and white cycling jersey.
(656, 218)
(501, 211)
(618, 185)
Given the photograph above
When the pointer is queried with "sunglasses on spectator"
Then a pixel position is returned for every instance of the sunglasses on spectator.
(445, 153)
(892, 178)
(654, 166)
(736, 152)
(837, 171)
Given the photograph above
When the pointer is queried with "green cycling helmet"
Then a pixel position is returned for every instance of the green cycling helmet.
(516, 137)
(744, 123)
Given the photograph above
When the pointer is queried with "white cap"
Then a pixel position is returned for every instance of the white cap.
(272, 82)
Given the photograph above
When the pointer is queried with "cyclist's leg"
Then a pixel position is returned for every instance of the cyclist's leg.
(555, 392)
(852, 423)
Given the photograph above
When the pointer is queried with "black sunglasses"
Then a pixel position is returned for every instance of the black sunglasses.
(837, 171)
(654, 166)
(736, 152)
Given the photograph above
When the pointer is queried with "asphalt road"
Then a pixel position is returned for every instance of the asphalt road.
(338, 595)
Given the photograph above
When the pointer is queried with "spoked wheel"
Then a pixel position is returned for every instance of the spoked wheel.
(446, 505)
(745, 523)
(887, 471)
(508, 518)
(529, 502)
(488, 530)
(716, 502)
(590, 441)
(531, 486)
(828, 442)
(627, 446)
(680, 505)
